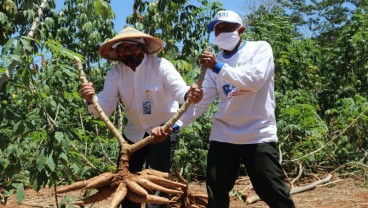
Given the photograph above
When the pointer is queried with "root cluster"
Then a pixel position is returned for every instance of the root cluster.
(139, 188)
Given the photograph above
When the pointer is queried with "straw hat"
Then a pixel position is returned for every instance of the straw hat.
(153, 44)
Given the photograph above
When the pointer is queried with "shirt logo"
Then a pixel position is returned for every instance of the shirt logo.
(231, 91)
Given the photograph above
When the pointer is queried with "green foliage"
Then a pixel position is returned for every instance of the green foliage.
(300, 129)
(348, 122)
(82, 26)
(191, 152)
(345, 70)
(313, 77)
(46, 132)
(321, 18)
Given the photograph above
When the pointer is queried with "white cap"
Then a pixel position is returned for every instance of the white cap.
(225, 16)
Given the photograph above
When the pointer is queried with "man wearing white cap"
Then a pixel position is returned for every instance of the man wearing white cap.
(150, 89)
(244, 126)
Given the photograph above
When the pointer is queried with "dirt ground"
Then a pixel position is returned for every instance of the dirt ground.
(338, 192)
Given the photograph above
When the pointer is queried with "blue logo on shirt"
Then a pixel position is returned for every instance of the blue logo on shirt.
(231, 91)
(228, 88)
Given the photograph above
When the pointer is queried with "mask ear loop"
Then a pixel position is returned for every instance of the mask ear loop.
(237, 29)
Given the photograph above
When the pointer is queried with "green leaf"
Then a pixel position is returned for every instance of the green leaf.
(43, 95)
(3, 18)
(50, 163)
(63, 156)
(19, 127)
(7, 46)
(101, 123)
(88, 27)
(20, 193)
(15, 57)
(76, 94)
(16, 47)
(5, 58)
(49, 22)
(40, 180)
(103, 9)
(41, 160)
(6, 163)
(26, 45)
(59, 136)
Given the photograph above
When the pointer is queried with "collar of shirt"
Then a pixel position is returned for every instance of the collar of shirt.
(227, 56)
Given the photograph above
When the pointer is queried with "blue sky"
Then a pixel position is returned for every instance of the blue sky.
(123, 8)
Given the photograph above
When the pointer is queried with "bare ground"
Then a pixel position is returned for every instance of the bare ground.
(338, 192)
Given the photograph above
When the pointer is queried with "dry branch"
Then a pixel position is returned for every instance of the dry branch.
(255, 198)
(103, 149)
(83, 157)
(333, 139)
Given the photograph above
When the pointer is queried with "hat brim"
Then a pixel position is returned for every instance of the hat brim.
(212, 25)
(153, 44)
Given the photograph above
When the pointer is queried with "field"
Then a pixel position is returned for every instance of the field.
(338, 192)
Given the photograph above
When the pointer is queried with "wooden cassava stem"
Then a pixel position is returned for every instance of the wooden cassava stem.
(101, 113)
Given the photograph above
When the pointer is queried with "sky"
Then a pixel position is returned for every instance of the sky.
(123, 8)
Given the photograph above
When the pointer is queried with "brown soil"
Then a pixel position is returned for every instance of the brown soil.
(338, 192)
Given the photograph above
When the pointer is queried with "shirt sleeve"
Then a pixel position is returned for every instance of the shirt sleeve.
(251, 76)
(109, 96)
(173, 81)
(209, 95)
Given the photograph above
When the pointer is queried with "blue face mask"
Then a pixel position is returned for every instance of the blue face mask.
(227, 40)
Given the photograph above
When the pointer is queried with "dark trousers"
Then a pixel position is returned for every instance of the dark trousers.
(262, 166)
(157, 156)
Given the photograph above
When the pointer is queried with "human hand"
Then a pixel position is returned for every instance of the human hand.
(158, 133)
(194, 94)
(86, 91)
(208, 60)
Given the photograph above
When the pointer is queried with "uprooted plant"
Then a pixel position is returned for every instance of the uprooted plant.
(136, 186)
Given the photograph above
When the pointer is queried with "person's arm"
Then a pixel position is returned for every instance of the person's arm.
(194, 111)
(109, 96)
(175, 84)
(250, 76)
(254, 75)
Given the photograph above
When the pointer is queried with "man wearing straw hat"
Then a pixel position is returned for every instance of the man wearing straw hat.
(149, 88)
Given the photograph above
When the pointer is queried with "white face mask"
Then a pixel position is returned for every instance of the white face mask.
(227, 40)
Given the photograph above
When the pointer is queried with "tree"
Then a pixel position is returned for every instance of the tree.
(42, 128)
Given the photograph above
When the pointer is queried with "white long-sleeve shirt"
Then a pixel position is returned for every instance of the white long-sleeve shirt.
(245, 85)
(155, 81)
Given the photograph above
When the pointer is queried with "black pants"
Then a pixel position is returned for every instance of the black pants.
(262, 167)
(157, 156)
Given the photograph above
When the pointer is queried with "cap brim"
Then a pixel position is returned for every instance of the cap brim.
(212, 25)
